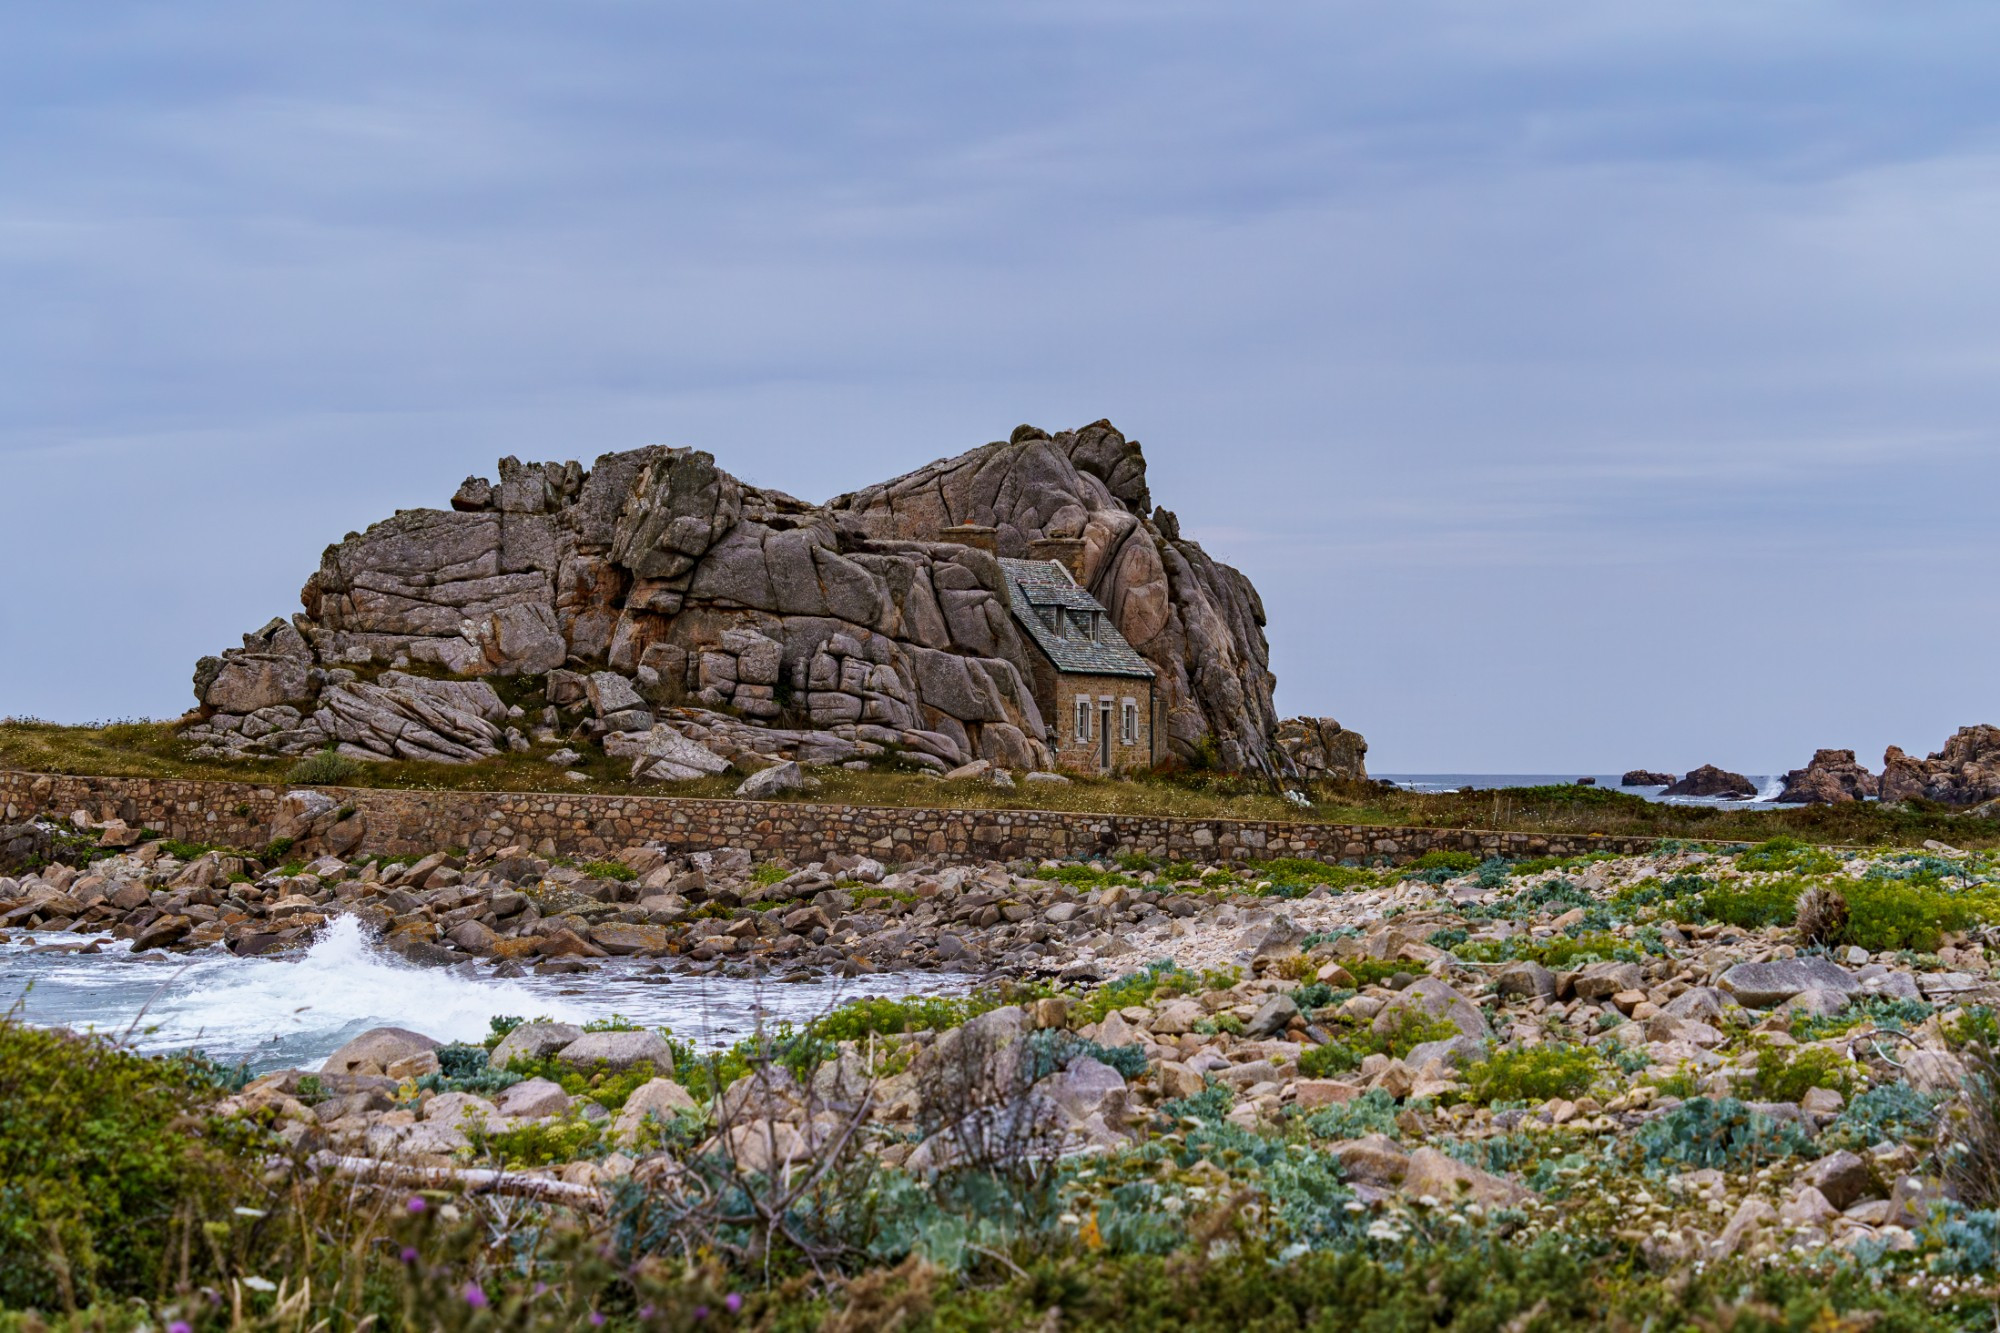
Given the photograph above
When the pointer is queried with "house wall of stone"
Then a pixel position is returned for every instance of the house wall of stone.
(1085, 755)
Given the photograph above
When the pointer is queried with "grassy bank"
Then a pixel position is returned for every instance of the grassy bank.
(150, 749)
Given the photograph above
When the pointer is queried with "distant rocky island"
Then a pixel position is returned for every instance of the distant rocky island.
(1023, 608)
(1966, 772)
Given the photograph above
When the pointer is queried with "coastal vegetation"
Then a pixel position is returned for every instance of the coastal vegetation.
(1551, 1094)
(152, 749)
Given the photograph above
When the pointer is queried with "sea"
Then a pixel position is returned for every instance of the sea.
(292, 1011)
(1768, 786)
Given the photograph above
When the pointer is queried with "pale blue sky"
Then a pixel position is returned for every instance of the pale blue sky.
(1583, 385)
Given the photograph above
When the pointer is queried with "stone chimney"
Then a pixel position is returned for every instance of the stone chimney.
(975, 535)
(1065, 551)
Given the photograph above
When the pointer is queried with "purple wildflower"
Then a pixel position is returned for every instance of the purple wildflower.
(734, 1301)
(416, 1204)
(597, 1319)
(409, 1254)
(180, 1326)
(701, 1312)
(475, 1296)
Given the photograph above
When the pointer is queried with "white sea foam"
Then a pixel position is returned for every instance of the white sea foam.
(295, 1010)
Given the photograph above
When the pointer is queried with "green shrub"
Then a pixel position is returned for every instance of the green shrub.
(1787, 1074)
(1357, 1039)
(101, 1152)
(1317, 995)
(1437, 867)
(1159, 979)
(1378, 971)
(1290, 870)
(1373, 1112)
(1209, 1105)
(1052, 1049)
(328, 768)
(1533, 1074)
(1082, 875)
(617, 870)
(1541, 865)
(1892, 1113)
(1753, 906)
(857, 1019)
(604, 1085)
(1887, 1012)
(1975, 1024)
(538, 1142)
(1788, 856)
(1717, 1132)
(1887, 914)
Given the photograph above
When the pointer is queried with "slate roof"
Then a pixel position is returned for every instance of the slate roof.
(1038, 583)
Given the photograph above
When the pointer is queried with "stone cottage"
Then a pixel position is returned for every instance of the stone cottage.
(1093, 689)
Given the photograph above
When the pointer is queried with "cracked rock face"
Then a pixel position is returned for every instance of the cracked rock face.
(1965, 772)
(1199, 623)
(655, 588)
(1832, 778)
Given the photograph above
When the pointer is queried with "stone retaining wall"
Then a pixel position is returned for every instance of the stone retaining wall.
(571, 824)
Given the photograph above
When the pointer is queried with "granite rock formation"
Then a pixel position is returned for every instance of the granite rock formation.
(1708, 780)
(1200, 623)
(1965, 772)
(1644, 777)
(1319, 747)
(654, 590)
(1832, 778)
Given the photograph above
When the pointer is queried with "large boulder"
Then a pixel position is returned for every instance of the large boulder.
(382, 1051)
(1832, 778)
(1710, 781)
(24, 846)
(1965, 772)
(1761, 985)
(532, 1041)
(618, 1051)
(1320, 748)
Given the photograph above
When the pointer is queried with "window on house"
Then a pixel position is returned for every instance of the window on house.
(1082, 717)
(1129, 731)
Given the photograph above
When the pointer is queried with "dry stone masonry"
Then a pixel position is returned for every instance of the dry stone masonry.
(400, 823)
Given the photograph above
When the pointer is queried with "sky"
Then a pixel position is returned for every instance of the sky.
(1583, 386)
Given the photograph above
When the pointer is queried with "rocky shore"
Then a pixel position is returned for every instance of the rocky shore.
(1696, 1040)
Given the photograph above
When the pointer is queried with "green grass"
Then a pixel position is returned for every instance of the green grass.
(150, 749)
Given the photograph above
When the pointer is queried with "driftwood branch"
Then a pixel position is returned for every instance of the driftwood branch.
(477, 1180)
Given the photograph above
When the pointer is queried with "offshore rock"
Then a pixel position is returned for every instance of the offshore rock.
(1965, 772)
(1708, 780)
(1832, 778)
